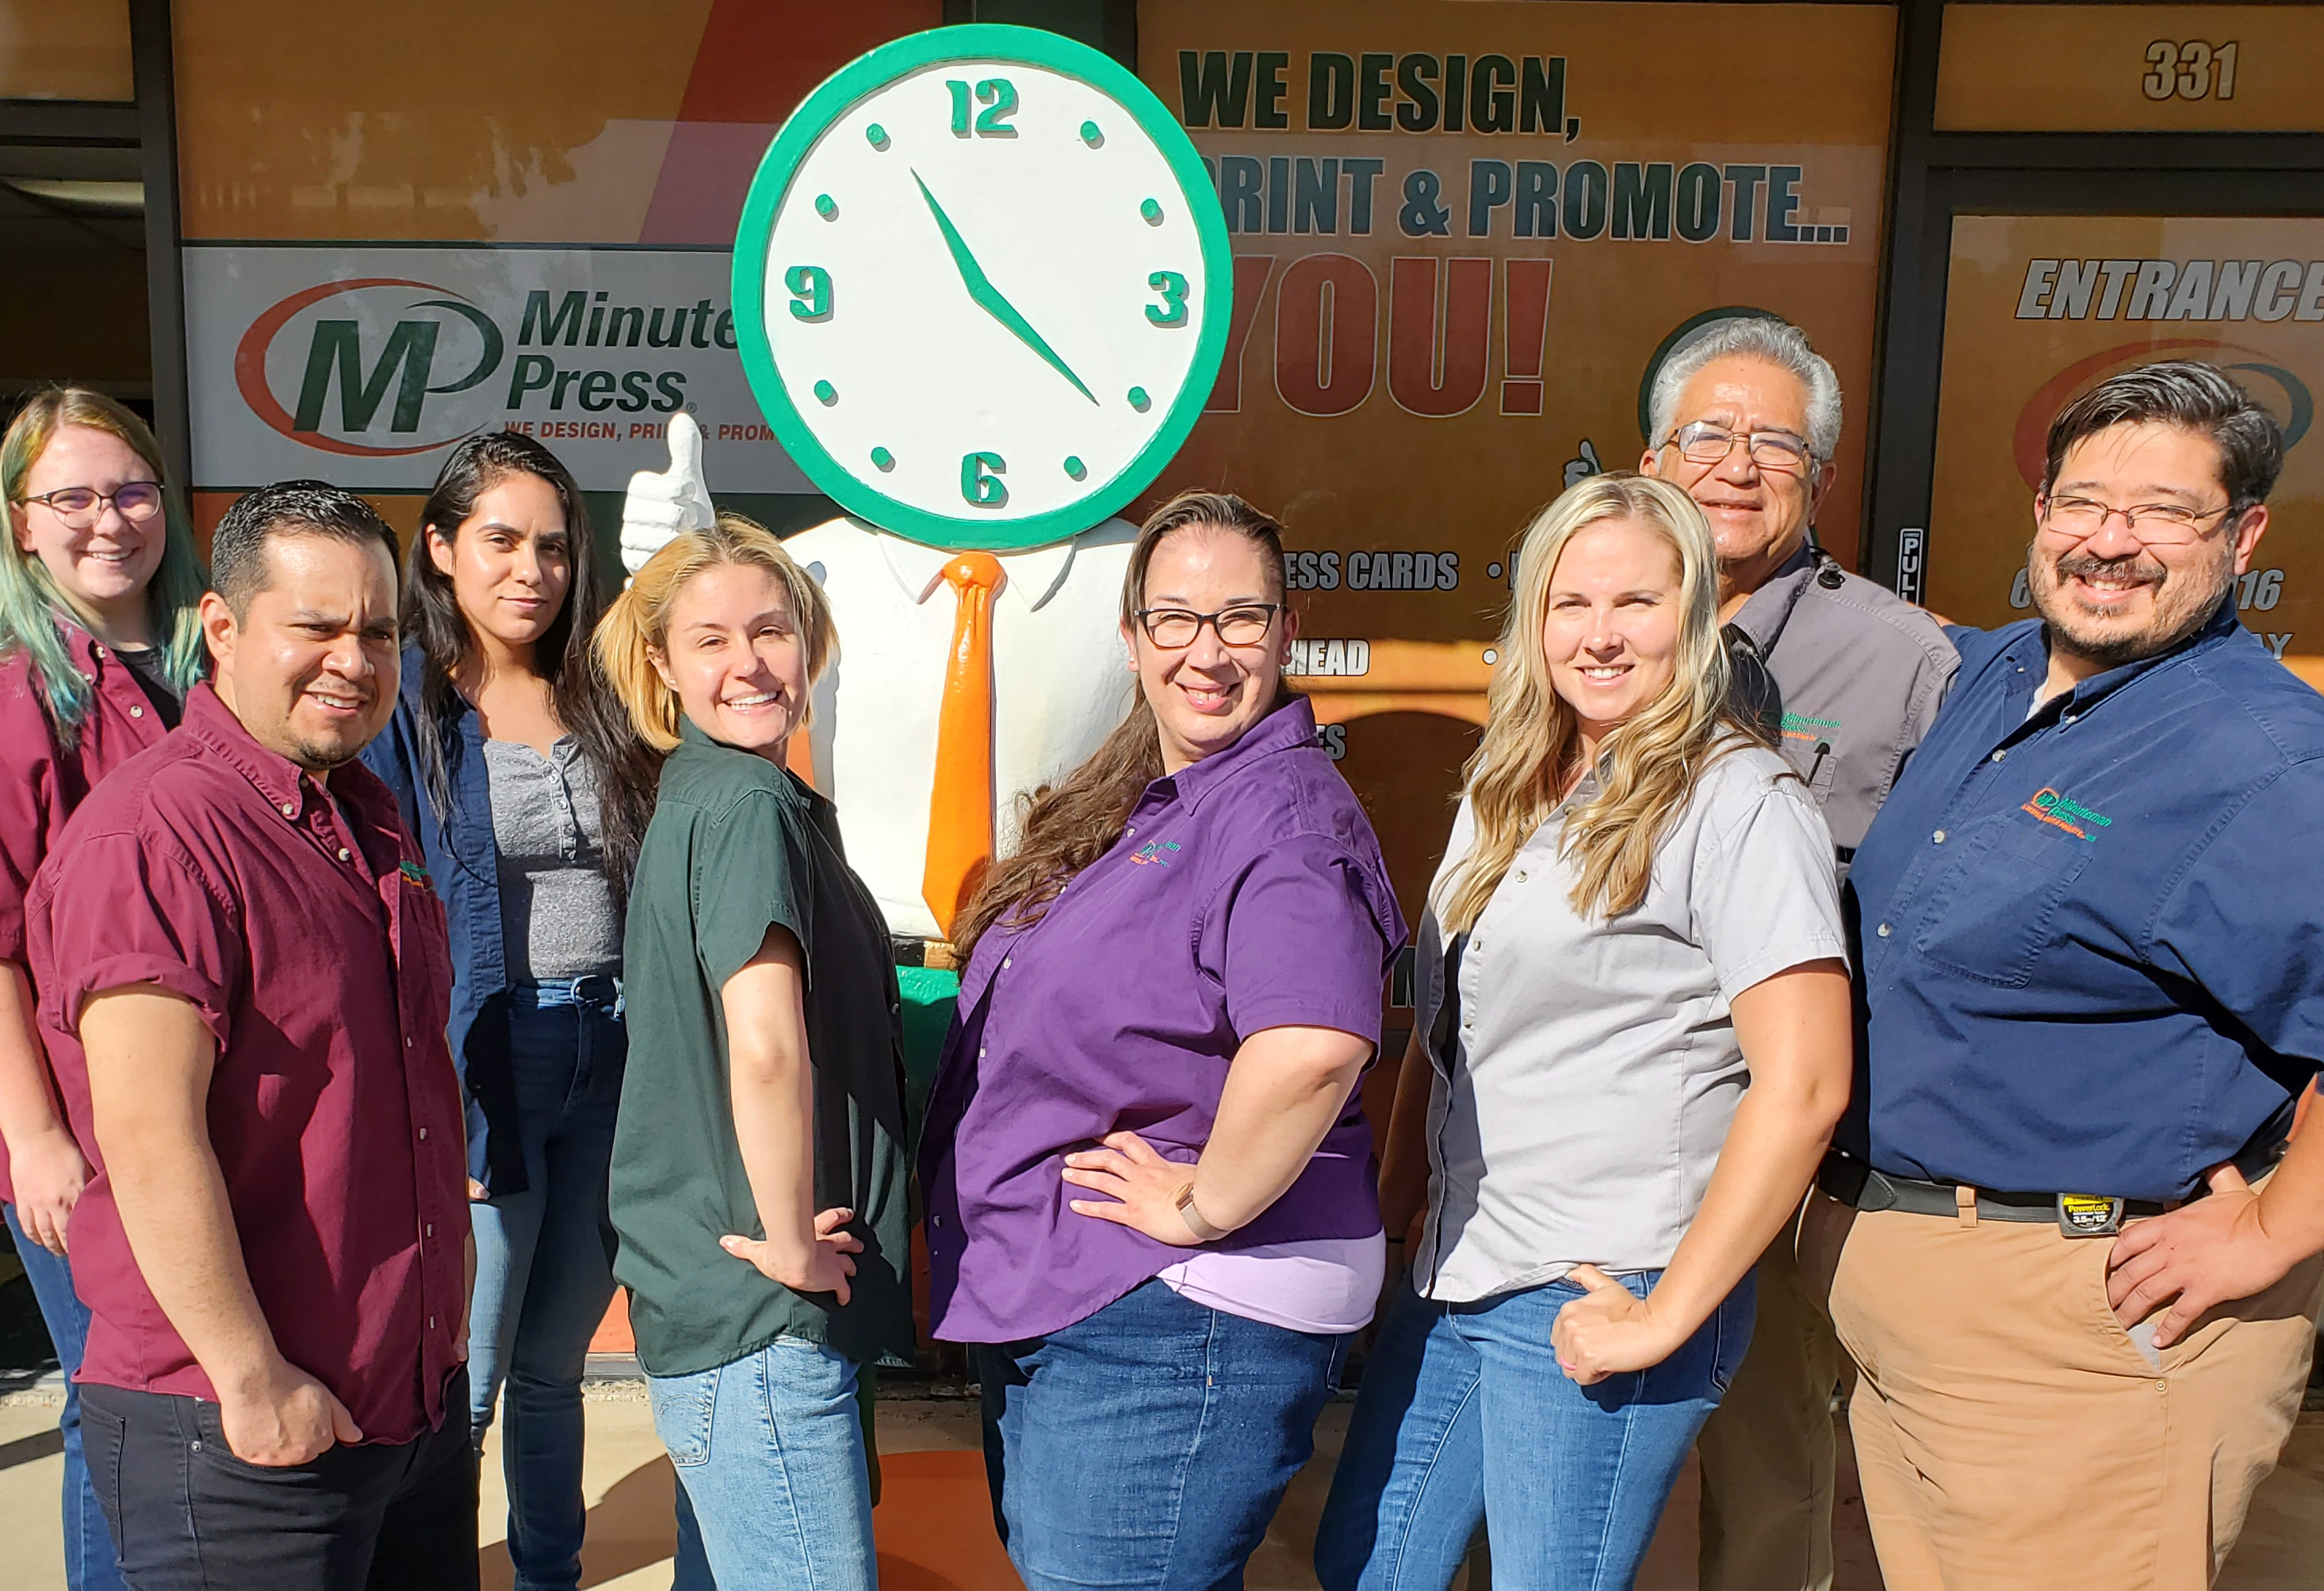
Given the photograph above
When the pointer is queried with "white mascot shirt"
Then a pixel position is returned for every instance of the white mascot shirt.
(1061, 683)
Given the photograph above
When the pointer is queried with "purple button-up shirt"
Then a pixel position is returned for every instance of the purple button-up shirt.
(1247, 892)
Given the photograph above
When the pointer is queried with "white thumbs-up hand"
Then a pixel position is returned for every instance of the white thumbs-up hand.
(665, 503)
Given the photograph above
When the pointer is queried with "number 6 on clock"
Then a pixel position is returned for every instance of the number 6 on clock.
(980, 478)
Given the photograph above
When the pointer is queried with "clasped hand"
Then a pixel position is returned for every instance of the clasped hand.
(2208, 1252)
(823, 1267)
(1144, 1186)
(1607, 1331)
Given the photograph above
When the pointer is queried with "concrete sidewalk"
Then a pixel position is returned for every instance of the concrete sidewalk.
(935, 1523)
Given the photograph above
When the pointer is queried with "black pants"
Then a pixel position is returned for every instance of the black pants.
(187, 1515)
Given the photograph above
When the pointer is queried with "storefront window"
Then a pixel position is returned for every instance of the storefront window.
(1463, 235)
(2041, 307)
(2125, 68)
(75, 50)
(525, 221)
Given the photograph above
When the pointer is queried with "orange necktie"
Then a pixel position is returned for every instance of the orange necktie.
(960, 807)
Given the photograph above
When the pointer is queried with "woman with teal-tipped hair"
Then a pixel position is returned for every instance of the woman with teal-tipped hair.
(99, 642)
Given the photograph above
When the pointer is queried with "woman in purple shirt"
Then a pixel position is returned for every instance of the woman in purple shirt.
(1150, 1192)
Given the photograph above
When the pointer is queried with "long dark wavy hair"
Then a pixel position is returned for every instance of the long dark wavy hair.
(626, 768)
(1069, 825)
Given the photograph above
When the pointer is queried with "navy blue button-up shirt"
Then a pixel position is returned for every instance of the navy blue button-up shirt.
(2091, 940)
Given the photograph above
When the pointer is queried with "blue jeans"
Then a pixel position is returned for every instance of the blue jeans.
(544, 1268)
(89, 1563)
(1464, 1415)
(769, 1449)
(1148, 1445)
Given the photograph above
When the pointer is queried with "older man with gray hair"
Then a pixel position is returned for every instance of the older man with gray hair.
(1747, 417)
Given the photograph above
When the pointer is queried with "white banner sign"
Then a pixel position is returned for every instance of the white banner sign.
(362, 366)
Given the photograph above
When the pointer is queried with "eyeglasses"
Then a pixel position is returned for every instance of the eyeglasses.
(79, 507)
(1175, 629)
(2157, 524)
(1701, 442)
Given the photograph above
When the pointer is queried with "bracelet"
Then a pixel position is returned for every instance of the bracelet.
(1202, 1229)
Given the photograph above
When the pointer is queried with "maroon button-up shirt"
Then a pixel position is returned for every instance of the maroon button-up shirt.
(303, 929)
(42, 780)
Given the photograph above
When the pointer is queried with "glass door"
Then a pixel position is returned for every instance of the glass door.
(2039, 308)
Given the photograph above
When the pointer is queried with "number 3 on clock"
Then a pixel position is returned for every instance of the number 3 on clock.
(1172, 309)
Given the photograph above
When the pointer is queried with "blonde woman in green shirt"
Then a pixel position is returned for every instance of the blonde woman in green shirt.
(759, 1168)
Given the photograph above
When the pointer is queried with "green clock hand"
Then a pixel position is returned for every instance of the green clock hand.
(986, 296)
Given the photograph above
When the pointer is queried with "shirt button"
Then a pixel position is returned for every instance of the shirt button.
(1521, 878)
(423, 1131)
(980, 1051)
(1883, 931)
(289, 809)
(343, 853)
(1007, 963)
(137, 713)
(1999, 756)
(1939, 837)
(431, 1322)
(935, 1220)
(429, 1230)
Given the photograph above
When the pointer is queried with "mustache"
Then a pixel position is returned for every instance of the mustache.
(2131, 566)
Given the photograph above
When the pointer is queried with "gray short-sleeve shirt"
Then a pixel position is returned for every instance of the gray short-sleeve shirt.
(1594, 1068)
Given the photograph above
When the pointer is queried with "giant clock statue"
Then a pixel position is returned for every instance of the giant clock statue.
(981, 290)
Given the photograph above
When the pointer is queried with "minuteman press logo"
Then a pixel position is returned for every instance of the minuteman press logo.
(358, 376)
(2067, 814)
(365, 364)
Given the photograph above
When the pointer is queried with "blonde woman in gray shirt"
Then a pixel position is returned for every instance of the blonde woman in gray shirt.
(1633, 1033)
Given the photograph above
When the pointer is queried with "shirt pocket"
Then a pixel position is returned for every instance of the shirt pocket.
(1993, 909)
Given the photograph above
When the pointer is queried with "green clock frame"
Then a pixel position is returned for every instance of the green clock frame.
(771, 185)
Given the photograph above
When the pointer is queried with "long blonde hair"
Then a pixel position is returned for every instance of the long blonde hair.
(1649, 764)
(638, 623)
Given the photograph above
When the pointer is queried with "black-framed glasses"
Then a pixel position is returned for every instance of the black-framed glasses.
(1246, 624)
(1703, 443)
(79, 507)
(2157, 524)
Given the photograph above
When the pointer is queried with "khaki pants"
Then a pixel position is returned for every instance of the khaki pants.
(1768, 1451)
(2011, 1434)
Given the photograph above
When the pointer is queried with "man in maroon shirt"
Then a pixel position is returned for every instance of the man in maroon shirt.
(243, 979)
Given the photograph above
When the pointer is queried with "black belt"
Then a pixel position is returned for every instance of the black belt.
(910, 951)
(2077, 1215)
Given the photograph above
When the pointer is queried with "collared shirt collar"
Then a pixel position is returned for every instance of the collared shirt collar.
(1287, 727)
(1768, 610)
(2032, 653)
(690, 733)
(1034, 574)
(285, 785)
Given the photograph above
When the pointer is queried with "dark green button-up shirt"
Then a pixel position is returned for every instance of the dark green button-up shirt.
(737, 845)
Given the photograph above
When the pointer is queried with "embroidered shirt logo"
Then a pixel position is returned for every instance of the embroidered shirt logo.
(1799, 726)
(413, 873)
(1157, 852)
(2067, 813)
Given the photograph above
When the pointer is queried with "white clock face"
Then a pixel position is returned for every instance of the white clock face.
(985, 288)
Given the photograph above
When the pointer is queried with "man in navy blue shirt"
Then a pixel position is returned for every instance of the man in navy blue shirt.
(2069, 1250)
